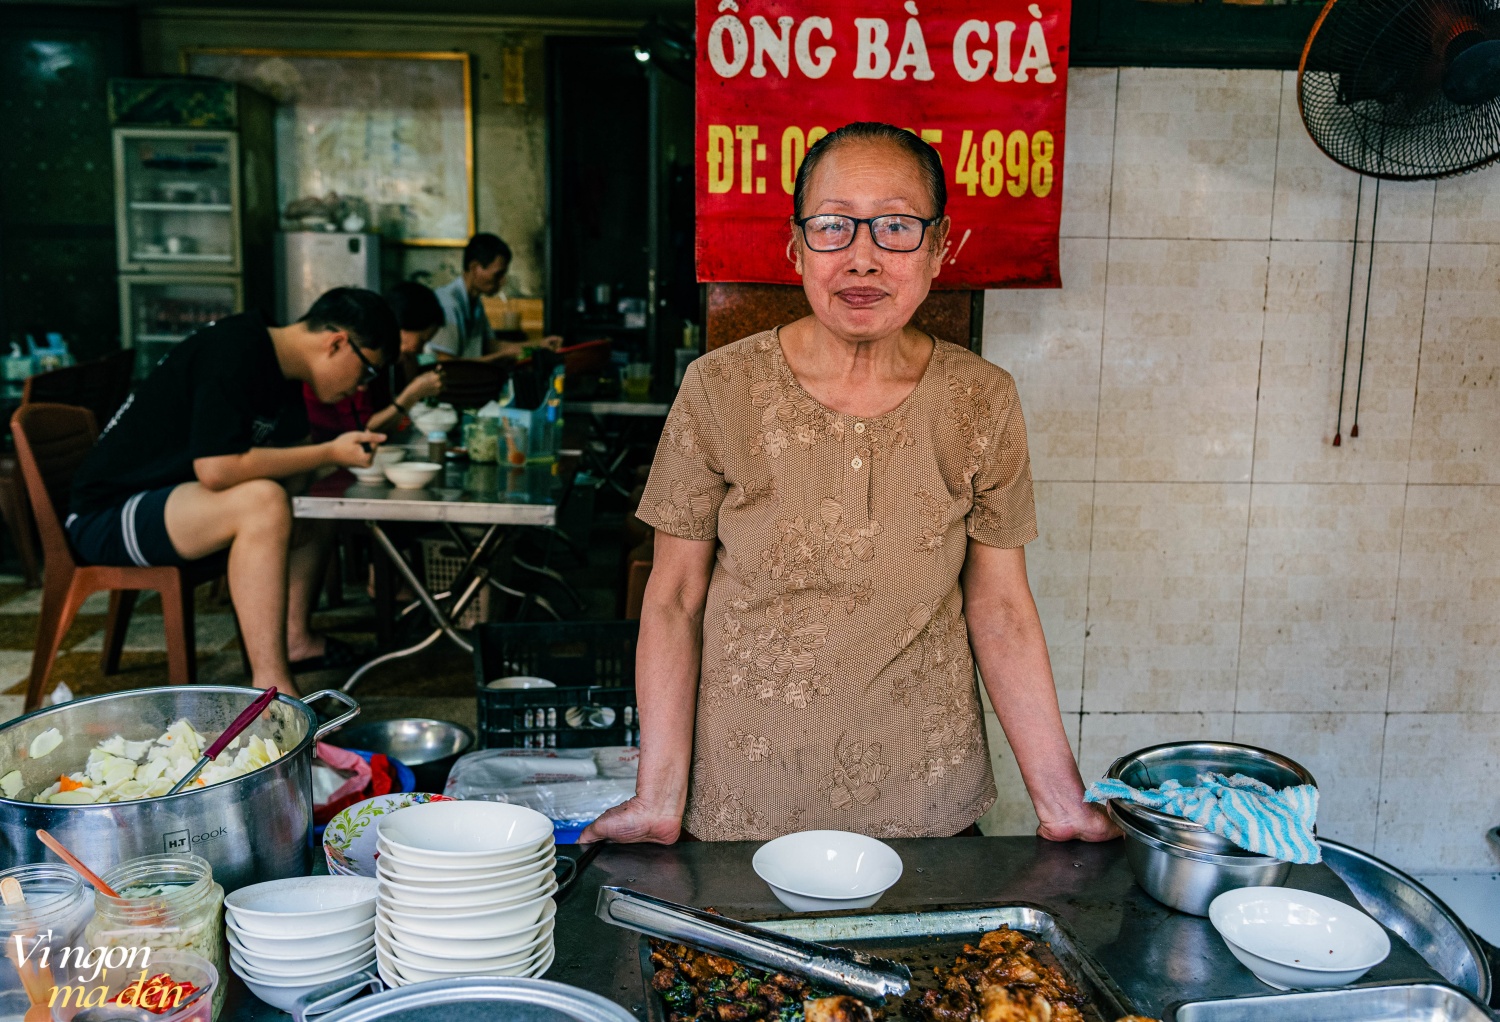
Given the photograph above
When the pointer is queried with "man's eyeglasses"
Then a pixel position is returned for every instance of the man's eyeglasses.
(370, 371)
(898, 232)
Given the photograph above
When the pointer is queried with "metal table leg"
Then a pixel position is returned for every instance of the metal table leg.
(476, 572)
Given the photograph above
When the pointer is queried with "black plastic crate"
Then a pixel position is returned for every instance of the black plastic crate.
(593, 664)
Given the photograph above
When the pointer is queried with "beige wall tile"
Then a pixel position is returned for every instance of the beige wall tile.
(1405, 209)
(1105, 737)
(1195, 153)
(1320, 592)
(1447, 647)
(1307, 306)
(1437, 790)
(1181, 357)
(1315, 197)
(1341, 750)
(1454, 439)
(1467, 208)
(1012, 813)
(1165, 581)
(1057, 564)
(1088, 156)
(1049, 341)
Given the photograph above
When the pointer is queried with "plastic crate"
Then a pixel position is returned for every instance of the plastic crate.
(593, 664)
(442, 560)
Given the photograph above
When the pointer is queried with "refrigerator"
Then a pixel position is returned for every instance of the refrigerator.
(194, 207)
(311, 262)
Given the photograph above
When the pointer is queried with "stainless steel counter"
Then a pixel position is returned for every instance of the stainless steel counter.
(1157, 956)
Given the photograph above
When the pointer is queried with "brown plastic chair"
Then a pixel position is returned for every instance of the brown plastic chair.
(51, 442)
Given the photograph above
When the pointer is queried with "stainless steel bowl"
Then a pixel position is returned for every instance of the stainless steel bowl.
(1185, 762)
(1188, 879)
(429, 747)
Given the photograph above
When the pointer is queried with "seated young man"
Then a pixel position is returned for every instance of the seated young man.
(193, 462)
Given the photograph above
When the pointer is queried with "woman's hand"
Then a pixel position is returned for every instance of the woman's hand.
(429, 384)
(633, 822)
(1090, 823)
(352, 450)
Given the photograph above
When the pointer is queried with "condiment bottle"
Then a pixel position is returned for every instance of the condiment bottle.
(437, 446)
(167, 903)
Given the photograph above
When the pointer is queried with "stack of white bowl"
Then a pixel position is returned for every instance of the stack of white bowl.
(465, 890)
(287, 937)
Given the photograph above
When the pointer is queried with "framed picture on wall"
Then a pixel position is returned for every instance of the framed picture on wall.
(365, 140)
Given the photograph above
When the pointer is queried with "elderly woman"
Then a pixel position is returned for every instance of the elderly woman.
(840, 507)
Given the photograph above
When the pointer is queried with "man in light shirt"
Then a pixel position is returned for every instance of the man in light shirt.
(466, 332)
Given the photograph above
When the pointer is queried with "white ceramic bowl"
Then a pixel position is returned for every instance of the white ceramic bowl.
(302, 905)
(427, 960)
(388, 456)
(308, 946)
(417, 974)
(461, 896)
(823, 870)
(372, 476)
(466, 947)
(521, 681)
(291, 965)
(474, 925)
(412, 475)
(351, 963)
(466, 833)
(431, 877)
(1296, 939)
(284, 995)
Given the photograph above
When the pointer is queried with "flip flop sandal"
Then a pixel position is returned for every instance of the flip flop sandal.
(337, 655)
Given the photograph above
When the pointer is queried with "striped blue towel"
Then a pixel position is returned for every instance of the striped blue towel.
(1248, 812)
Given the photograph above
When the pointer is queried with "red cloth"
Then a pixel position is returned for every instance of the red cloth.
(328, 421)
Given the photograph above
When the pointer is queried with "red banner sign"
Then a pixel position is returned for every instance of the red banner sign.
(985, 81)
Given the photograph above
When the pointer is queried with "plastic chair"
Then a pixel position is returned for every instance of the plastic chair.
(51, 442)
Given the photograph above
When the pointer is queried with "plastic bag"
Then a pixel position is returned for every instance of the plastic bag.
(571, 787)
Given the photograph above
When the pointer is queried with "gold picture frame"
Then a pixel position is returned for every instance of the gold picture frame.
(431, 173)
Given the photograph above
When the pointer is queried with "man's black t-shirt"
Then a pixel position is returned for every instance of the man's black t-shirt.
(220, 391)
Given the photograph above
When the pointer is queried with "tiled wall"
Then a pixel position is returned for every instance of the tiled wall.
(1209, 565)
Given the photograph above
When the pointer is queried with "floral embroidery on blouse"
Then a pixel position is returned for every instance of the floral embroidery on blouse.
(856, 778)
(688, 513)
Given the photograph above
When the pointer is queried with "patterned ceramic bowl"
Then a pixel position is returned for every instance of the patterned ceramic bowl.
(349, 840)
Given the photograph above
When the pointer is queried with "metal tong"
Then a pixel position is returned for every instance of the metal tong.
(853, 972)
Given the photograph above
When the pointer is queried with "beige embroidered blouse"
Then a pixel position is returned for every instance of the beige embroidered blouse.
(837, 688)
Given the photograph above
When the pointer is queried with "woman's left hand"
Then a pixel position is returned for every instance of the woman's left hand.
(429, 384)
(1089, 823)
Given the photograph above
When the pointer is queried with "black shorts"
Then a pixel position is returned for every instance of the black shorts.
(133, 534)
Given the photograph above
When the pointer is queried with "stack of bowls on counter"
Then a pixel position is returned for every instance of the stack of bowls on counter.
(287, 937)
(1179, 862)
(465, 890)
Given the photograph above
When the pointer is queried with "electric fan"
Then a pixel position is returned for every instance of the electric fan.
(1404, 89)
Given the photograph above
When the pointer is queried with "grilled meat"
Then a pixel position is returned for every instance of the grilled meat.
(1001, 981)
(699, 987)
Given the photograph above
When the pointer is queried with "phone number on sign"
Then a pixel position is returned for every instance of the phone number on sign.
(991, 162)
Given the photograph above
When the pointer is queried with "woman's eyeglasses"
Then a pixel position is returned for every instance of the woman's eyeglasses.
(830, 232)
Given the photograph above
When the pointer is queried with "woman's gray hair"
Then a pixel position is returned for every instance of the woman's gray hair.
(928, 161)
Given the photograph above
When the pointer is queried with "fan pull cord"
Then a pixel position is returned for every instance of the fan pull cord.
(1364, 332)
(1338, 429)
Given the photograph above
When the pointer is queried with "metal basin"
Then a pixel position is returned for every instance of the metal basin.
(1188, 879)
(429, 747)
(253, 828)
(1397, 1002)
(1185, 762)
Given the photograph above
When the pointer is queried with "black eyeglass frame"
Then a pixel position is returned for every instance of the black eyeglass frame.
(869, 223)
(371, 371)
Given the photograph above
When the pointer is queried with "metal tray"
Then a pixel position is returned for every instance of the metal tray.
(1400, 1002)
(924, 940)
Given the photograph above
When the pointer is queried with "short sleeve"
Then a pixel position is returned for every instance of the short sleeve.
(687, 484)
(1004, 511)
(223, 408)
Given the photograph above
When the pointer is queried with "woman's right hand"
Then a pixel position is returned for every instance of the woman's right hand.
(634, 822)
(429, 384)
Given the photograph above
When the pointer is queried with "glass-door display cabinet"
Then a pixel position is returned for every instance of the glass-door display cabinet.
(161, 309)
(176, 199)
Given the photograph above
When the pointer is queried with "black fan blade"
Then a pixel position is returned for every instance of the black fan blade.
(1473, 76)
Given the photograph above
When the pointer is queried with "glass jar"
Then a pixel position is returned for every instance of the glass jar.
(166, 903)
(57, 908)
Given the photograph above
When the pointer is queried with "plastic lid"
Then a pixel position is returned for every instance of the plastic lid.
(437, 434)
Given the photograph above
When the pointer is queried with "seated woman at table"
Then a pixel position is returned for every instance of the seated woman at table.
(372, 406)
(841, 507)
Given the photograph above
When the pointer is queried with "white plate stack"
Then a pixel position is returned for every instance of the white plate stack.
(287, 937)
(465, 890)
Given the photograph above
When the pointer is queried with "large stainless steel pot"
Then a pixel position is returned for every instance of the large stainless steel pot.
(469, 999)
(1188, 879)
(253, 828)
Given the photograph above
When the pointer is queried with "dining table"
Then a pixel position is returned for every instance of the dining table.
(613, 430)
(495, 498)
